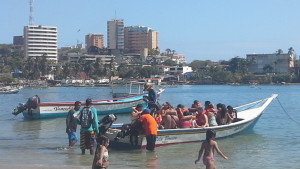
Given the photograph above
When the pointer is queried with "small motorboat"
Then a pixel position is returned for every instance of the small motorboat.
(34, 109)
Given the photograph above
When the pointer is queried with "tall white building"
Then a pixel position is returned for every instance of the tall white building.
(40, 41)
(115, 34)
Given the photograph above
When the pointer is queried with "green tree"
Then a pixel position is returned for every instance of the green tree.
(268, 68)
(66, 70)
(147, 71)
(99, 68)
(169, 62)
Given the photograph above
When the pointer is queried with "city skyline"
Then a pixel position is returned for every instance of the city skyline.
(214, 30)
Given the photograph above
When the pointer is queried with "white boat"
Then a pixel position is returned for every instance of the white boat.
(8, 90)
(33, 109)
(130, 88)
(248, 115)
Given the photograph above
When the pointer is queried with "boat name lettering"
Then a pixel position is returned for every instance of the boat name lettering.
(166, 138)
(57, 108)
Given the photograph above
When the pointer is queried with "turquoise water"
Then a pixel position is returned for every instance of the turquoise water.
(273, 143)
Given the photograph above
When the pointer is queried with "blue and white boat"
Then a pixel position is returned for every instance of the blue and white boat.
(248, 115)
(33, 109)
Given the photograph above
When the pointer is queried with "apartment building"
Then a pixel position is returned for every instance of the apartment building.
(40, 41)
(115, 34)
(94, 40)
(271, 63)
(138, 38)
(84, 58)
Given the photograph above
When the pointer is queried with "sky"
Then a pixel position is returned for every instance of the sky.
(199, 29)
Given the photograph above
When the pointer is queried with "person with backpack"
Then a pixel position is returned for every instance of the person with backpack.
(88, 120)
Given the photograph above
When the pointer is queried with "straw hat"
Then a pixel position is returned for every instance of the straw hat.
(147, 86)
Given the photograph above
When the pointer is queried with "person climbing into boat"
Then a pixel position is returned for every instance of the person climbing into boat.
(88, 120)
(136, 112)
(209, 146)
(71, 123)
(101, 158)
(150, 127)
(169, 116)
(152, 96)
(211, 113)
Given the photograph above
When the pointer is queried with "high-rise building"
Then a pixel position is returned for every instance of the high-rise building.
(94, 40)
(138, 38)
(115, 34)
(40, 41)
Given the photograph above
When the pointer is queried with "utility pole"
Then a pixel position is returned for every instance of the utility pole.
(31, 12)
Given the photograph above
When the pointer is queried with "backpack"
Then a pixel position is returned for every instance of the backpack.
(86, 117)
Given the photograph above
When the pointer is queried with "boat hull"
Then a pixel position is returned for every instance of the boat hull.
(115, 106)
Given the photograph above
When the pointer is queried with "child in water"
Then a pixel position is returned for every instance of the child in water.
(208, 146)
(102, 154)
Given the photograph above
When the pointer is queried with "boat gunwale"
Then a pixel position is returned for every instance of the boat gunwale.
(178, 131)
(96, 102)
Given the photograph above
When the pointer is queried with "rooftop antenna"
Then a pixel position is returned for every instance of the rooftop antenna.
(31, 12)
(115, 14)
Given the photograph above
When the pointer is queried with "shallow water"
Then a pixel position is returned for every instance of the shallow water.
(273, 143)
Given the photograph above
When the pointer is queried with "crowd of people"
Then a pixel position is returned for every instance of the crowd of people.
(150, 119)
(197, 116)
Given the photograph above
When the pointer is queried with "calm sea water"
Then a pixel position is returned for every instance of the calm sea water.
(273, 143)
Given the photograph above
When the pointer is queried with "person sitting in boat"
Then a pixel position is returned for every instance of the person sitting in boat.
(158, 118)
(152, 96)
(211, 113)
(185, 117)
(231, 114)
(222, 116)
(169, 116)
(136, 112)
(219, 107)
(196, 104)
(201, 119)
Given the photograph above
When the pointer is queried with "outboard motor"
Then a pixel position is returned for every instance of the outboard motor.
(31, 103)
(106, 122)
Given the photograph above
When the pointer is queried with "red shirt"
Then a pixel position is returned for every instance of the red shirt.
(149, 123)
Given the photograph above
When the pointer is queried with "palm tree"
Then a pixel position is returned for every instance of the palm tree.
(168, 51)
(279, 51)
(291, 50)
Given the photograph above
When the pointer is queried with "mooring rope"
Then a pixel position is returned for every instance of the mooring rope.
(290, 117)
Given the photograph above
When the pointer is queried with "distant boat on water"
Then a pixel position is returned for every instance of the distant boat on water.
(130, 88)
(8, 90)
